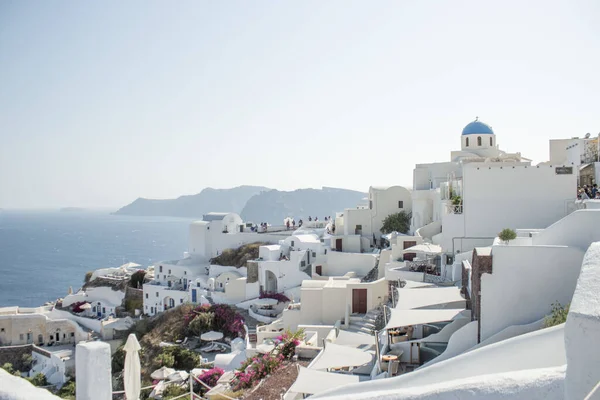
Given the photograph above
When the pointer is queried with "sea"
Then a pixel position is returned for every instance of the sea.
(43, 253)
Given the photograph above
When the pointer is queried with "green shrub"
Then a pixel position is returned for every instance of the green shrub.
(88, 276)
(557, 316)
(184, 359)
(8, 367)
(203, 322)
(173, 391)
(398, 222)
(38, 380)
(507, 234)
(26, 361)
(67, 391)
(166, 359)
(118, 360)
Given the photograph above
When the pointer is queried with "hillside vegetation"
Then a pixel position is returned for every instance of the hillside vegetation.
(238, 257)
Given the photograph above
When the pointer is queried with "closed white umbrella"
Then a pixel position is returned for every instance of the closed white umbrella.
(211, 336)
(162, 373)
(132, 373)
(85, 306)
(178, 376)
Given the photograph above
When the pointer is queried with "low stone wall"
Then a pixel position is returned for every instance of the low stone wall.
(14, 355)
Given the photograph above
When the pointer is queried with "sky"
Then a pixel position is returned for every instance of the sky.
(105, 102)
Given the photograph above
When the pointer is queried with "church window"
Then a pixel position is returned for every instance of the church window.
(467, 142)
(491, 141)
(478, 140)
(400, 204)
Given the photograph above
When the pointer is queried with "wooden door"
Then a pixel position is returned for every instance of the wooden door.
(338, 244)
(359, 301)
(319, 269)
(409, 256)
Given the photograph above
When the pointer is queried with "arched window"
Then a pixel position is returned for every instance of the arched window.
(478, 140)
(467, 143)
(491, 141)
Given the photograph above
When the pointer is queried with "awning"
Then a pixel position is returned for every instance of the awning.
(265, 302)
(353, 339)
(417, 317)
(212, 335)
(427, 248)
(336, 356)
(310, 381)
(438, 297)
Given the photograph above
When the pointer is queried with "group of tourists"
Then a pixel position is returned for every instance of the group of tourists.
(588, 192)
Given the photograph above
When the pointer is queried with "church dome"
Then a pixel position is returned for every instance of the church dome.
(477, 128)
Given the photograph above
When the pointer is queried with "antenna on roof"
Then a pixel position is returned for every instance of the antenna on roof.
(476, 118)
(587, 135)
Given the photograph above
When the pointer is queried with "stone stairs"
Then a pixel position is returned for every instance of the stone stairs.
(363, 323)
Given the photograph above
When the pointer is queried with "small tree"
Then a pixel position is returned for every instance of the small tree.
(137, 279)
(67, 392)
(398, 222)
(203, 322)
(507, 234)
(88, 276)
(557, 316)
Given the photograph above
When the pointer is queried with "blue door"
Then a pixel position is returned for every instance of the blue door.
(194, 298)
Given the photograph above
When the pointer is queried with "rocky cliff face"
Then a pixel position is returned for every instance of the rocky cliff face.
(274, 206)
(194, 206)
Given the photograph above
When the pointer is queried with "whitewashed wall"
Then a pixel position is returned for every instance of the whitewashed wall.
(338, 264)
(505, 196)
(526, 280)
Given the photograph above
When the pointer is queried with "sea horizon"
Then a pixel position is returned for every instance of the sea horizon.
(44, 252)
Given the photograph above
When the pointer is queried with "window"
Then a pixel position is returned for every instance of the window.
(303, 264)
(151, 310)
(197, 284)
(72, 334)
(478, 140)
(314, 254)
(180, 301)
(491, 141)
(146, 307)
(467, 142)
(156, 294)
(169, 272)
(160, 269)
(292, 243)
(325, 251)
(146, 295)
(2, 330)
(169, 283)
(401, 204)
(358, 230)
(185, 272)
(370, 204)
(64, 335)
(21, 337)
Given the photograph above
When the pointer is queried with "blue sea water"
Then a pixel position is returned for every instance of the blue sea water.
(43, 253)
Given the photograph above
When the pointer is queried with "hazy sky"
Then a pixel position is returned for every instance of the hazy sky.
(103, 102)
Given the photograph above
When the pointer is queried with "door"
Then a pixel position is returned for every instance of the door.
(409, 256)
(319, 269)
(359, 301)
(194, 296)
(99, 310)
(338, 244)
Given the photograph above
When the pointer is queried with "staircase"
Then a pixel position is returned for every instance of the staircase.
(363, 323)
(252, 335)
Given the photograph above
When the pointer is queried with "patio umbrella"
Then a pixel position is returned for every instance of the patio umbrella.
(162, 373)
(211, 336)
(178, 376)
(132, 372)
(85, 306)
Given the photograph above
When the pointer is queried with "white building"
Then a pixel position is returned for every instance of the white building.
(357, 229)
(581, 153)
(465, 202)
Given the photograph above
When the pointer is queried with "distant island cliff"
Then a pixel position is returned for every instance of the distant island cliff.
(253, 203)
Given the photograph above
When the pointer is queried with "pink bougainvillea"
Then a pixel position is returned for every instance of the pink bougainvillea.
(226, 320)
(280, 297)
